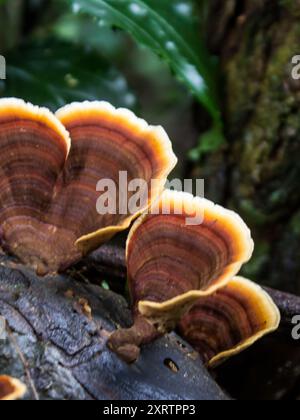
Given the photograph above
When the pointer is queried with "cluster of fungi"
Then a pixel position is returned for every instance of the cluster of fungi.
(180, 276)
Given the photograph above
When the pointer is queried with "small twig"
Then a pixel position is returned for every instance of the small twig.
(24, 362)
(11, 24)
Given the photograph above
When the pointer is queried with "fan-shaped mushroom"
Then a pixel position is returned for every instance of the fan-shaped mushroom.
(48, 197)
(172, 264)
(11, 388)
(230, 320)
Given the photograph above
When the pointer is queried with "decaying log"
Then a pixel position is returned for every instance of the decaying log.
(268, 370)
(54, 345)
(53, 334)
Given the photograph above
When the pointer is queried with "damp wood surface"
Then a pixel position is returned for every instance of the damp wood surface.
(54, 340)
(275, 360)
(56, 332)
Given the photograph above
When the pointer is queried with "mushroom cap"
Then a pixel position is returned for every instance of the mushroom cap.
(48, 196)
(172, 264)
(229, 321)
(111, 140)
(11, 388)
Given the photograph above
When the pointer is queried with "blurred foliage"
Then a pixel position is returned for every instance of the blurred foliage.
(81, 29)
(171, 29)
(55, 73)
(162, 99)
(70, 50)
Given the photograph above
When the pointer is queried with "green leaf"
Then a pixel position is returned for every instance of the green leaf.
(105, 285)
(209, 142)
(82, 30)
(53, 74)
(170, 28)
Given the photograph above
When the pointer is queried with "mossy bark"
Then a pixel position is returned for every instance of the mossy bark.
(53, 337)
(258, 174)
(10, 19)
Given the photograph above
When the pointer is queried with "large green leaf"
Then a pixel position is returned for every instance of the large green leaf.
(209, 142)
(53, 74)
(171, 29)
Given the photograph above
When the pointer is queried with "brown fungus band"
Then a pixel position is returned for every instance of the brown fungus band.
(50, 167)
(229, 321)
(172, 263)
(11, 388)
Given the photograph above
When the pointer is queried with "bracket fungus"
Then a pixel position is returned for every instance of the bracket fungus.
(177, 270)
(50, 166)
(229, 321)
(11, 388)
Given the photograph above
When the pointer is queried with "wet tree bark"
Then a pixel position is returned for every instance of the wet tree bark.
(269, 370)
(258, 173)
(53, 335)
(10, 19)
